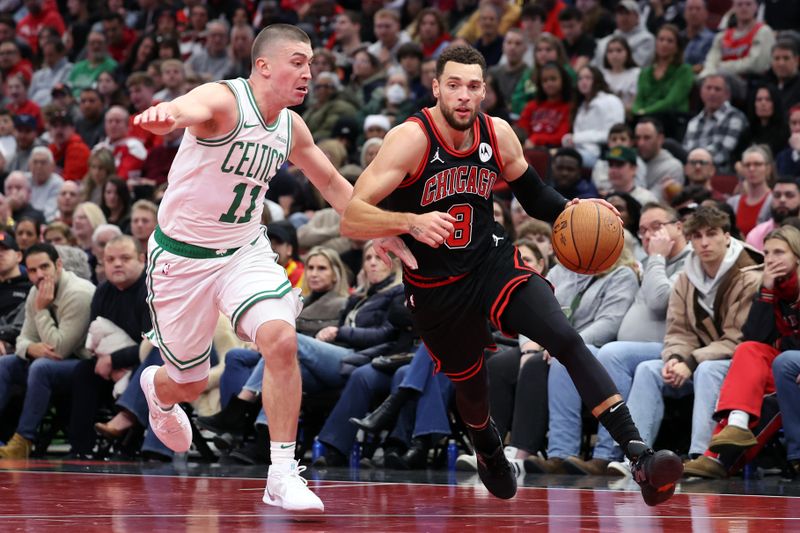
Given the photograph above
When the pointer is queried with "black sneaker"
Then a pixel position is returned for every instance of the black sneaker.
(655, 472)
(496, 473)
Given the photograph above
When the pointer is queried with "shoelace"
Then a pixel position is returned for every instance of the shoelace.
(295, 474)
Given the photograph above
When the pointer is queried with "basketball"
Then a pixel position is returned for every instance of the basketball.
(588, 238)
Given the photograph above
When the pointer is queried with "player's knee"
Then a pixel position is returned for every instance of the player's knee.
(277, 342)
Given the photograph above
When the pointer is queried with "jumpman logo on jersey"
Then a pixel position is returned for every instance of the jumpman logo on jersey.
(436, 157)
(497, 240)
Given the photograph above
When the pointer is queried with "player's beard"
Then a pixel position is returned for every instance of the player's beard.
(450, 116)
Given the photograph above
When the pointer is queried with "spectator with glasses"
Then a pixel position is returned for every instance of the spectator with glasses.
(699, 168)
(785, 203)
(751, 206)
(641, 334)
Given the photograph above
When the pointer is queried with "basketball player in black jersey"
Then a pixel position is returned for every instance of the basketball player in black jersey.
(436, 173)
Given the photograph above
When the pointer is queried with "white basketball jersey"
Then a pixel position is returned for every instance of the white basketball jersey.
(216, 186)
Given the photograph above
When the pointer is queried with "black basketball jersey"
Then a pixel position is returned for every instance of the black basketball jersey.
(459, 183)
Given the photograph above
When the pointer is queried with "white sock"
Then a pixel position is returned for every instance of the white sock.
(281, 453)
(738, 418)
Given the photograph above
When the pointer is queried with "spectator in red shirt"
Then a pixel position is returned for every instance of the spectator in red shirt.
(129, 152)
(546, 119)
(18, 102)
(12, 62)
(120, 37)
(69, 151)
(40, 14)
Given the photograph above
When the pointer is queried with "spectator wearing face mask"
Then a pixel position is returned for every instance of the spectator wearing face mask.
(391, 100)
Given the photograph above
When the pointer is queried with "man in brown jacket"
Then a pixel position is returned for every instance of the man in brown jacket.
(707, 309)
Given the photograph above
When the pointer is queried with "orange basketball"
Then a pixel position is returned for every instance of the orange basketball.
(588, 238)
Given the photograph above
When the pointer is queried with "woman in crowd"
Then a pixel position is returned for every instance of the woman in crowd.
(546, 119)
(116, 204)
(597, 111)
(548, 49)
(430, 32)
(663, 87)
(767, 122)
(86, 219)
(101, 169)
(27, 232)
(620, 71)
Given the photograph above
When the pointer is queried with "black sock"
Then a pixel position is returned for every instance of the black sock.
(617, 420)
(485, 440)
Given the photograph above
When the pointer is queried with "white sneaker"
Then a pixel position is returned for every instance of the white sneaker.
(286, 489)
(467, 463)
(171, 427)
(517, 464)
(619, 468)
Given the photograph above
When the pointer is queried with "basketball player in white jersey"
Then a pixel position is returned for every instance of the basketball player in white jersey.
(209, 252)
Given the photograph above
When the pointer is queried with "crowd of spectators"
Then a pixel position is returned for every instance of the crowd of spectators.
(683, 114)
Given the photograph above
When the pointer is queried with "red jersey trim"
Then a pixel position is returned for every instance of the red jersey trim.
(468, 373)
(410, 180)
(476, 134)
(493, 141)
(430, 283)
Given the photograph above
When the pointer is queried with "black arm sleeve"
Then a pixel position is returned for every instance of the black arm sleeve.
(538, 199)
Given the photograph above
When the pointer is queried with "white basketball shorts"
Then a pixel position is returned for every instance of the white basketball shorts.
(188, 286)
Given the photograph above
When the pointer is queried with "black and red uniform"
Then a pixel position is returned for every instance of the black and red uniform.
(473, 274)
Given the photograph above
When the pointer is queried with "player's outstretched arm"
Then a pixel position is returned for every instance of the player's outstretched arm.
(208, 111)
(400, 154)
(307, 156)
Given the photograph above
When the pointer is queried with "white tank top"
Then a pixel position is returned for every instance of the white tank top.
(216, 187)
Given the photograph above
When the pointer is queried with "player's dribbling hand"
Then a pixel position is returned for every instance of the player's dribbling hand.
(599, 201)
(431, 228)
(156, 119)
(395, 245)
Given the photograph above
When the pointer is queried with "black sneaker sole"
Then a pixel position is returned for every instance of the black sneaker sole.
(502, 485)
(664, 471)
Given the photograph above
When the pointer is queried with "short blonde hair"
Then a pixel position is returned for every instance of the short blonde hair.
(93, 213)
(340, 283)
(788, 234)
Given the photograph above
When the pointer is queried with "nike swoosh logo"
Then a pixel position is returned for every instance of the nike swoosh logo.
(615, 407)
(250, 125)
(285, 446)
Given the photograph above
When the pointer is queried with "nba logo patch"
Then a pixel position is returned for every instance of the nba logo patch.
(484, 152)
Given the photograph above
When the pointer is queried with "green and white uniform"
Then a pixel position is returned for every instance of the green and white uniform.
(210, 253)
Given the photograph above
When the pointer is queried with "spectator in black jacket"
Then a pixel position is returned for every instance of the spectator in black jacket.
(14, 289)
(120, 301)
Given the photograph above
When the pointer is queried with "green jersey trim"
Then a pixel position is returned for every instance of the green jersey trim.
(155, 334)
(280, 292)
(189, 250)
(252, 98)
(232, 134)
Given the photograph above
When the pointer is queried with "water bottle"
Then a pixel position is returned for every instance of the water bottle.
(317, 450)
(355, 455)
(452, 454)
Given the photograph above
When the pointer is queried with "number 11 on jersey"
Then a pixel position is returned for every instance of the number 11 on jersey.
(239, 191)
